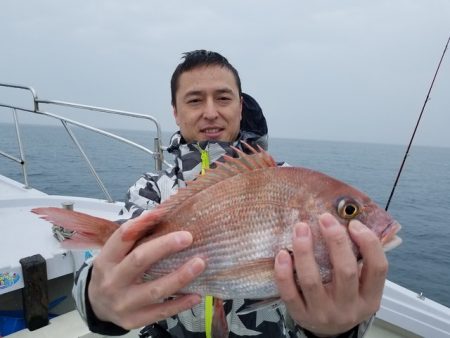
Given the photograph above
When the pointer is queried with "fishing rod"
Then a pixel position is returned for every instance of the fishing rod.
(417, 125)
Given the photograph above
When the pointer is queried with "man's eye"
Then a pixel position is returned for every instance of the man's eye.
(193, 101)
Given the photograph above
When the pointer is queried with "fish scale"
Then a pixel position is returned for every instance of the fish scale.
(225, 236)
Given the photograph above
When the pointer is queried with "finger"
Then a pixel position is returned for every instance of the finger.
(157, 312)
(284, 277)
(157, 290)
(146, 254)
(306, 266)
(375, 265)
(343, 260)
(115, 248)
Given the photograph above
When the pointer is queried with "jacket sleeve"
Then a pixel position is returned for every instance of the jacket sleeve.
(144, 194)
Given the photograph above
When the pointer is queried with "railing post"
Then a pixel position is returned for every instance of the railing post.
(158, 154)
(86, 159)
(23, 163)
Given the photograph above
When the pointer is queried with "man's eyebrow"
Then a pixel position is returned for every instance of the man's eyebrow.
(201, 92)
(193, 93)
(224, 91)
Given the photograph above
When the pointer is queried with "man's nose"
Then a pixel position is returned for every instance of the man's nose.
(210, 110)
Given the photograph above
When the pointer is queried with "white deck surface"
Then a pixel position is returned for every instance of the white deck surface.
(24, 234)
(10, 189)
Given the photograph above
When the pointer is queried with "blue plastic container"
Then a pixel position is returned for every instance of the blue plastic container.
(10, 322)
(13, 321)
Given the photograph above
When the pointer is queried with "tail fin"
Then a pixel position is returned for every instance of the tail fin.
(87, 231)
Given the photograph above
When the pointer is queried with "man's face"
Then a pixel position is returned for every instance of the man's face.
(208, 105)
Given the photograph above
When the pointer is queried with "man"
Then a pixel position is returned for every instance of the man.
(207, 105)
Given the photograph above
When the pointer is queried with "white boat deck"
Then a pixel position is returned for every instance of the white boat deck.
(24, 234)
(10, 189)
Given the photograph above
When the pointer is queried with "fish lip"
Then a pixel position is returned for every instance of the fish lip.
(389, 232)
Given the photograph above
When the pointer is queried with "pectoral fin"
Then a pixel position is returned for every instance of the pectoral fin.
(219, 326)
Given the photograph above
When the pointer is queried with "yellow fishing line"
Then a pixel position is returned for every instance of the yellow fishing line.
(205, 160)
(208, 315)
(209, 300)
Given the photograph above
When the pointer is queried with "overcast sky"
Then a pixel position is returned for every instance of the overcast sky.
(327, 70)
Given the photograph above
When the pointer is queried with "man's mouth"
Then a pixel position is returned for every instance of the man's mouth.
(212, 132)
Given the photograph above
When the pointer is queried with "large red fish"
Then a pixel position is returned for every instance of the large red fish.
(241, 214)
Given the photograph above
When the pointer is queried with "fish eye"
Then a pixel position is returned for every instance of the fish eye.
(347, 209)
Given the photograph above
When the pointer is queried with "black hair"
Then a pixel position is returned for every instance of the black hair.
(200, 58)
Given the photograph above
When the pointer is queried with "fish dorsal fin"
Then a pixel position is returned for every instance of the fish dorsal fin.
(257, 159)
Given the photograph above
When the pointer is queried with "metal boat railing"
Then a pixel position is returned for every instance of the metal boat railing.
(157, 152)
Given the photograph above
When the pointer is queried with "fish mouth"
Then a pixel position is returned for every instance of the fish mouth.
(389, 238)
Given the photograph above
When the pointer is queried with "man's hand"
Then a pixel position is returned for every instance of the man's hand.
(116, 291)
(351, 297)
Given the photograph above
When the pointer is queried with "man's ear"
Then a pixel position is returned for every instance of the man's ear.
(175, 114)
(241, 103)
